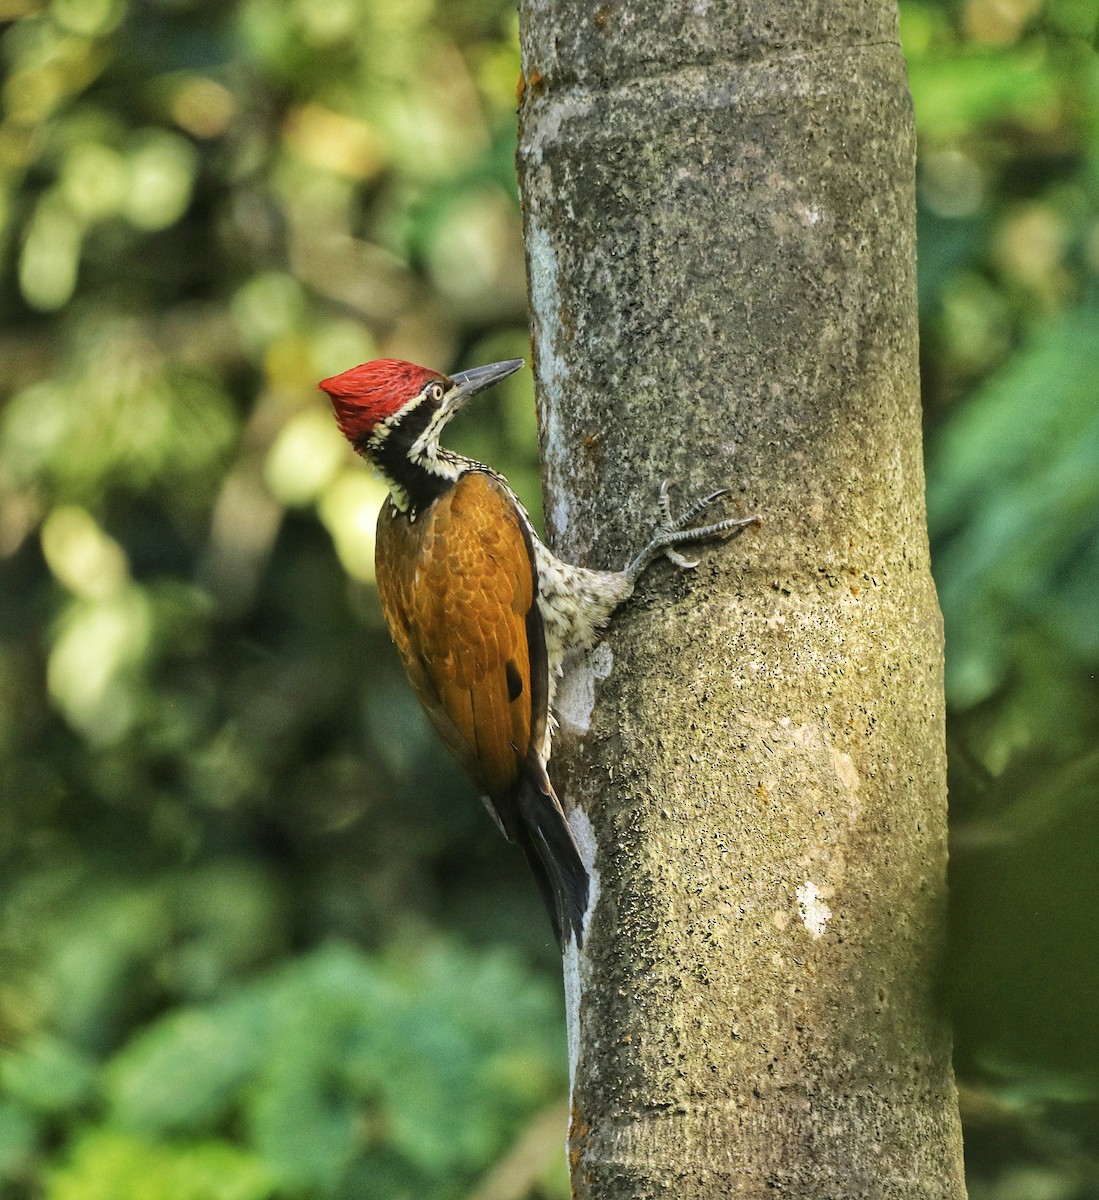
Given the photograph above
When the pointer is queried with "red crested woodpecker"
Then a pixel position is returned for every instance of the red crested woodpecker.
(481, 612)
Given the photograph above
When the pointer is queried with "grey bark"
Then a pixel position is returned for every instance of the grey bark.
(720, 234)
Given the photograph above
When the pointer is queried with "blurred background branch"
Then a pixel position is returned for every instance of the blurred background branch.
(256, 938)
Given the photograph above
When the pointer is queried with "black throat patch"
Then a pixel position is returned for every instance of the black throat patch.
(393, 457)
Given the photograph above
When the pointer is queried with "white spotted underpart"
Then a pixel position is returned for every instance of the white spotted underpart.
(576, 605)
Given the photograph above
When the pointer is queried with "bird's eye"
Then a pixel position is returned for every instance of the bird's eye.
(435, 391)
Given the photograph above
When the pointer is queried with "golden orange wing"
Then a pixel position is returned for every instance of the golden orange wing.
(458, 589)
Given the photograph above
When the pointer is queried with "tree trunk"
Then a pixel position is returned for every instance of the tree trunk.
(720, 238)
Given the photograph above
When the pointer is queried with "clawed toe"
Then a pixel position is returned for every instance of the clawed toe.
(688, 515)
(672, 531)
(684, 564)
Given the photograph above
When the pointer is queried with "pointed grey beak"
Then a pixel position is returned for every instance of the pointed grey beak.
(469, 383)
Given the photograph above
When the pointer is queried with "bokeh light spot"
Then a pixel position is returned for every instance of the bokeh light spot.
(162, 173)
(51, 255)
(83, 558)
(349, 510)
(305, 457)
(99, 640)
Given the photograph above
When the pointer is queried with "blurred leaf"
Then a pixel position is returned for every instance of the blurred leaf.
(18, 1139)
(957, 93)
(303, 1115)
(124, 416)
(183, 1074)
(48, 1075)
(473, 1076)
(107, 1165)
(90, 954)
(342, 1063)
(1013, 493)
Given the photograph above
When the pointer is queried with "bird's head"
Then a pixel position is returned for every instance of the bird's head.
(371, 401)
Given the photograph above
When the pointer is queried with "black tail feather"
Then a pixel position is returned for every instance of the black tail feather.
(552, 854)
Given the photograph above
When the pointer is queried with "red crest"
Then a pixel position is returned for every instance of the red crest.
(374, 391)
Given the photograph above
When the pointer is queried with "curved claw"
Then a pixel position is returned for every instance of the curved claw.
(684, 564)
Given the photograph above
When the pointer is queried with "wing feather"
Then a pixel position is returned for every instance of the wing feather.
(458, 589)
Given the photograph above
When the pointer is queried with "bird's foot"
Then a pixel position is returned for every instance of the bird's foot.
(673, 531)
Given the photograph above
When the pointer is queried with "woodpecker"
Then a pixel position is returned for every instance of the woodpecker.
(481, 612)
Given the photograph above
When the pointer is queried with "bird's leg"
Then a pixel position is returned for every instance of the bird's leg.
(673, 531)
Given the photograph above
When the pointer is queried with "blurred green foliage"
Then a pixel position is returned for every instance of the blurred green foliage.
(249, 920)
(1007, 108)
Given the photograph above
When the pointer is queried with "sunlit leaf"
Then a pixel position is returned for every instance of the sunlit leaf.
(107, 1165)
(955, 94)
